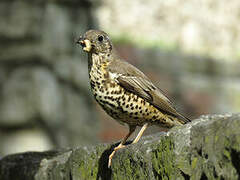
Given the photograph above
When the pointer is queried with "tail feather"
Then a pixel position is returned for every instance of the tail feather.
(183, 119)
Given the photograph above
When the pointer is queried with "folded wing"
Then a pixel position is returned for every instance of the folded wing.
(133, 80)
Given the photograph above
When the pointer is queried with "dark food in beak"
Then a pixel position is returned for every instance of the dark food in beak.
(80, 41)
(85, 43)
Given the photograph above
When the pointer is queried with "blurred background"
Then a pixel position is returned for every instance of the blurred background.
(190, 49)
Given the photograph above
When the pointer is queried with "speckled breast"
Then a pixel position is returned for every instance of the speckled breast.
(122, 105)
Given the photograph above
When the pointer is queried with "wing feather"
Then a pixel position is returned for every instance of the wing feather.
(135, 81)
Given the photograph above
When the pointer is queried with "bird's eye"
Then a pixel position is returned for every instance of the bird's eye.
(100, 38)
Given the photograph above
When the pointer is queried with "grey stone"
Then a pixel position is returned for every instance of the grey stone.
(39, 63)
(24, 140)
(80, 124)
(30, 93)
(207, 148)
(74, 72)
(20, 23)
(19, 19)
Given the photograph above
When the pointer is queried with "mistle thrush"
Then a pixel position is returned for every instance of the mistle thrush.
(123, 91)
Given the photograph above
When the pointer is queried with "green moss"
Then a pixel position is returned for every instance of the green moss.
(84, 163)
(194, 162)
(216, 138)
(227, 154)
(206, 139)
(163, 160)
(87, 170)
(126, 167)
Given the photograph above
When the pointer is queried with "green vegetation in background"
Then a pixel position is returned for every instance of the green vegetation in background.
(170, 46)
(142, 42)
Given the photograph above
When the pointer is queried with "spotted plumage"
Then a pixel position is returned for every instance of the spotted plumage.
(123, 91)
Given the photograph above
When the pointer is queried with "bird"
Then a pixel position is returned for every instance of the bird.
(123, 91)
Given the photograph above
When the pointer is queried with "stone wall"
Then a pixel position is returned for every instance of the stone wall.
(44, 90)
(207, 148)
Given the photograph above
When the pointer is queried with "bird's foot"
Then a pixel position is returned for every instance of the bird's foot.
(120, 146)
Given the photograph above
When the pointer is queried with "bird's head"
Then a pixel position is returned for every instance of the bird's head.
(95, 41)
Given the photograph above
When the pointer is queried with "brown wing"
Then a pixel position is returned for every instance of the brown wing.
(136, 82)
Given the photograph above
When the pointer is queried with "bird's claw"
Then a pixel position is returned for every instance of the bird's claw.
(112, 154)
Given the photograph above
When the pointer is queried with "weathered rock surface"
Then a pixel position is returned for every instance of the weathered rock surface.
(43, 77)
(207, 148)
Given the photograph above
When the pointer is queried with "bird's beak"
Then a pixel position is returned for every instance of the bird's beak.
(85, 43)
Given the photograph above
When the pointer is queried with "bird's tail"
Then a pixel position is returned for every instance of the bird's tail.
(183, 119)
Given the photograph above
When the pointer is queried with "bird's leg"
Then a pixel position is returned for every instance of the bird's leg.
(140, 133)
(121, 145)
